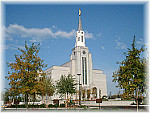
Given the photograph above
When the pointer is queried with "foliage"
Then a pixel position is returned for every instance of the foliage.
(43, 106)
(66, 84)
(27, 72)
(62, 105)
(30, 106)
(104, 97)
(83, 106)
(50, 105)
(56, 105)
(6, 95)
(48, 86)
(131, 75)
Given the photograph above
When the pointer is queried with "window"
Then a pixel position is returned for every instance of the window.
(82, 38)
(84, 70)
(82, 32)
(78, 38)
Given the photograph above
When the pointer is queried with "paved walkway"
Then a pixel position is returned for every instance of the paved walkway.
(108, 103)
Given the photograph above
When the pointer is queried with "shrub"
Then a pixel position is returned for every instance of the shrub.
(83, 106)
(104, 97)
(50, 105)
(56, 105)
(18, 106)
(33, 106)
(36, 106)
(43, 106)
(62, 105)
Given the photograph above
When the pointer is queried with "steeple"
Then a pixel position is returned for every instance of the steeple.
(80, 39)
(80, 24)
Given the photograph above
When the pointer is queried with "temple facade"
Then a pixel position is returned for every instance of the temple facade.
(93, 81)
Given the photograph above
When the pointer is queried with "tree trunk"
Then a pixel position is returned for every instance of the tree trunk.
(65, 101)
(26, 97)
(13, 100)
(137, 100)
(45, 99)
(42, 99)
(33, 98)
(29, 99)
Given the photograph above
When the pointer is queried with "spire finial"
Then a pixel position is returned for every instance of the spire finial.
(80, 25)
(79, 12)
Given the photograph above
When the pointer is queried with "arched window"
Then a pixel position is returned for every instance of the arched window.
(94, 92)
(88, 93)
(83, 93)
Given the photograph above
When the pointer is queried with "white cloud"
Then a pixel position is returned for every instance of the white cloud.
(36, 34)
(140, 43)
(39, 34)
(54, 27)
(103, 47)
(13, 47)
(120, 45)
(99, 35)
(89, 35)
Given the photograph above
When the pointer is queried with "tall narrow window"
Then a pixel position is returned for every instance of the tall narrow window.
(84, 70)
(82, 38)
(78, 38)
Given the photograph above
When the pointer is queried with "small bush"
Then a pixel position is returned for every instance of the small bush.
(36, 106)
(43, 106)
(62, 105)
(56, 105)
(17, 106)
(83, 106)
(50, 105)
(104, 97)
(33, 106)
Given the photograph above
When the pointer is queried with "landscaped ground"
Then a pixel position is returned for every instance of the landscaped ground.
(90, 109)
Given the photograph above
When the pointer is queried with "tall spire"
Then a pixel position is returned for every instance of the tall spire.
(79, 25)
(80, 39)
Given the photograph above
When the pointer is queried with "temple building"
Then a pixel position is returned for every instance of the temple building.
(93, 81)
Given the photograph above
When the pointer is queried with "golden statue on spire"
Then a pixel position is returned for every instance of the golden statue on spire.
(79, 12)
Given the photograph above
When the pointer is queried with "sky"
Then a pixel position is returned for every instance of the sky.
(109, 31)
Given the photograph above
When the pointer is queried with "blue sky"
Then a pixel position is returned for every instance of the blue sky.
(109, 30)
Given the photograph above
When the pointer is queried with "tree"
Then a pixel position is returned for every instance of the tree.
(131, 75)
(66, 85)
(48, 87)
(26, 70)
(5, 95)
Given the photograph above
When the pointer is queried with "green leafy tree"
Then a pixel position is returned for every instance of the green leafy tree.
(131, 75)
(48, 87)
(6, 95)
(66, 85)
(25, 71)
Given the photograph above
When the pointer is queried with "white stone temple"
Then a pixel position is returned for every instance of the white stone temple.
(93, 81)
